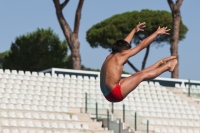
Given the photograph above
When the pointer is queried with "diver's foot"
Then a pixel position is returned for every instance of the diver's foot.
(172, 64)
(165, 60)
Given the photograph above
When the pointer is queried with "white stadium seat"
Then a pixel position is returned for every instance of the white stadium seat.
(38, 102)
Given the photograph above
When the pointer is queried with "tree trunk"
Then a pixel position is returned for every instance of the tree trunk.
(71, 36)
(132, 66)
(175, 8)
(174, 45)
(145, 57)
(76, 56)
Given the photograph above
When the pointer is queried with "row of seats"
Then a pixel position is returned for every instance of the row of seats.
(29, 94)
(187, 86)
(158, 112)
(157, 99)
(151, 90)
(92, 94)
(47, 91)
(48, 83)
(175, 130)
(148, 104)
(194, 89)
(36, 107)
(42, 76)
(59, 87)
(173, 123)
(166, 110)
(44, 131)
(168, 115)
(44, 96)
(69, 87)
(36, 98)
(43, 100)
(25, 89)
(35, 104)
(36, 115)
(44, 124)
(33, 74)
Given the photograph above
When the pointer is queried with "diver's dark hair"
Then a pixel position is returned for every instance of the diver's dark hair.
(120, 45)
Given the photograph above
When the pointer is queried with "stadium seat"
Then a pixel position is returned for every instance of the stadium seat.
(11, 114)
(190, 116)
(153, 114)
(4, 114)
(196, 117)
(77, 126)
(184, 123)
(22, 124)
(15, 131)
(177, 130)
(172, 115)
(6, 130)
(85, 126)
(19, 115)
(170, 130)
(13, 123)
(178, 123)
(46, 124)
(7, 71)
(1, 71)
(171, 123)
(190, 124)
(48, 131)
(70, 126)
(196, 131)
(74, 117)
(54, 125)
(43, 116)
(61, 125)
(183, 130)
(30, 124)
(196, 124)
(51, 116)
(177, 85)
(157, 130)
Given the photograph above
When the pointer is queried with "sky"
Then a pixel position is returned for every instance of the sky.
(22, 17)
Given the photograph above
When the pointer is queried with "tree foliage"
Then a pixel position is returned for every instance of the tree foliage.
(2, 56)
(118, 26)
(39, 50)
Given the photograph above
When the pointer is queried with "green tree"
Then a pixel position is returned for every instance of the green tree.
(2, 56)
(39, 50)
(104, 34)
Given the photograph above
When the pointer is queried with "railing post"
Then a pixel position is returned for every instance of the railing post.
(189, 87)
(96, 111)
(112, 108)
(85, 102)
(108, 119)
(120, 126)
(123, 113)
(135, 121)
(147, 126)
